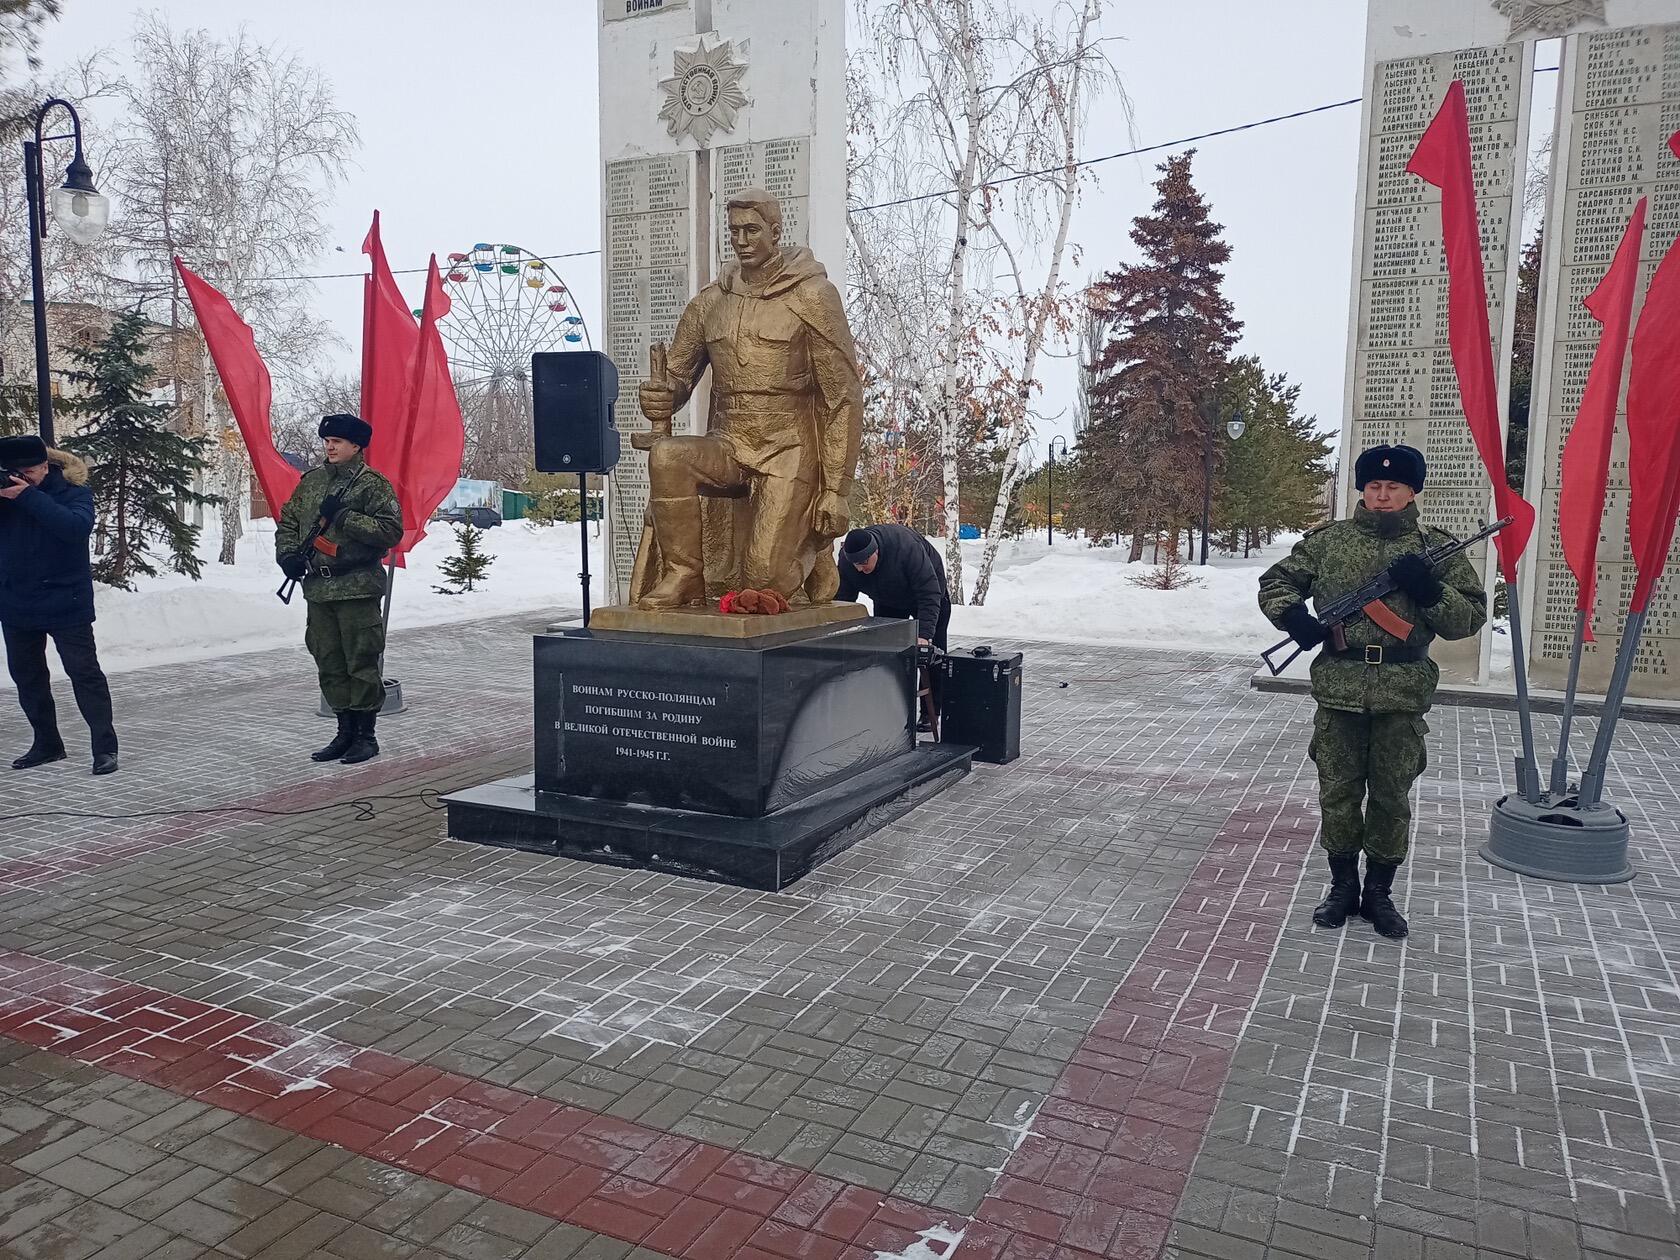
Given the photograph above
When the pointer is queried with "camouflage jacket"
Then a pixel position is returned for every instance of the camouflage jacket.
(369, 525)
(1335, 560)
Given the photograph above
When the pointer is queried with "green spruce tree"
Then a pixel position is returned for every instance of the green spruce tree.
(468, 565)
(1274, 475)
(141, 471)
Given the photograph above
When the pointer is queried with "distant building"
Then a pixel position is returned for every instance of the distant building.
(72, 326)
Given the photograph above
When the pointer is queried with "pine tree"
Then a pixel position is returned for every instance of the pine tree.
(468, 565)
(1274, 475)
(1171, 330)
(1522, 363)
(141, 471)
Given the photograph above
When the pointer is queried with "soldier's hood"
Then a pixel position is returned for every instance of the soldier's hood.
(798, 265)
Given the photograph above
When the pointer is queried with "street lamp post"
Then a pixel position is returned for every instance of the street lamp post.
(1236, 427)
(80, 211)
(1050, 493)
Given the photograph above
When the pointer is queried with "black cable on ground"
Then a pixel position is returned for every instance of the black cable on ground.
(365, 807)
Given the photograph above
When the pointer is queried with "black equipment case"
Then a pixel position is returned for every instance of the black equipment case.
(980, 703)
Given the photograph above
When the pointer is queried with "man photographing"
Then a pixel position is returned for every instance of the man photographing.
(1368, 734)
(46, 591)
(903, 576)
(348, 515)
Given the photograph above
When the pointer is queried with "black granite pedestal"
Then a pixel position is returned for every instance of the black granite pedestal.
(747, 761)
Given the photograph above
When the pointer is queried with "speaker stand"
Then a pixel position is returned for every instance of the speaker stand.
(583, 526)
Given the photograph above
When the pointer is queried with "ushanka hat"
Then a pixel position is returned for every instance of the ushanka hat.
(23, 451)
(350, 428)
(1390, 463)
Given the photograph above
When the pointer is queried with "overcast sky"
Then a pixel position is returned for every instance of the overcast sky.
(478, 123)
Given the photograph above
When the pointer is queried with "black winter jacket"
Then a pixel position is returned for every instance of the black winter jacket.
(46, 576)
(909, 578)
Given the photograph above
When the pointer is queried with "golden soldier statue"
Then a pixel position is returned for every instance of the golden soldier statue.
(786, 420)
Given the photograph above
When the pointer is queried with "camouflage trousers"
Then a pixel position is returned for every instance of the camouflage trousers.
(347, 637)
(1367, 764)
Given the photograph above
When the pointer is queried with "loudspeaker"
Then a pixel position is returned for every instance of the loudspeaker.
(572, 397)
(980, 704)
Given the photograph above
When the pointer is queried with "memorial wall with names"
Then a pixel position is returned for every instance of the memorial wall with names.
(1619, 104)
(782, 168)
(1403, 385)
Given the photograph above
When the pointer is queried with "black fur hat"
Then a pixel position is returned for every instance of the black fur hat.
(1390, 463)
(350, 428)
(23, 451)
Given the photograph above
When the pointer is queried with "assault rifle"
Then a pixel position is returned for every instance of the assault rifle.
(1367, 600)
(290, 585)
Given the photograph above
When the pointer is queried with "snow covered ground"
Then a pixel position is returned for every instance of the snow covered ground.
(1071, 592)
(1081, 594)
(234, 609)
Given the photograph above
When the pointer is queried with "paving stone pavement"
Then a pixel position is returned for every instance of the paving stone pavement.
(1072, 1007)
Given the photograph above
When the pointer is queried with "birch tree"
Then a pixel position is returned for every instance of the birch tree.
(227, 158)
(967, 116)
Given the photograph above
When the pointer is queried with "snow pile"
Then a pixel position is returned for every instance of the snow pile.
(1077, 593)
(936, 1243)
(233, 610)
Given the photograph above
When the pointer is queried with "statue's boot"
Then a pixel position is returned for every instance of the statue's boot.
(682, 580)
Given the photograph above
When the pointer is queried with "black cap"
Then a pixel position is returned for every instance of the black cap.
(1390, 463)
(23, 451)
(860, 544)
(350, 428)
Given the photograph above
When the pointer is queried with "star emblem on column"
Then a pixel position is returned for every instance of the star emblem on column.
(703, 94)
(1548, 18)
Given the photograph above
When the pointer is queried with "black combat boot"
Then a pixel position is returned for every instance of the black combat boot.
(1343, 897)
(340, 742)
(363, 747)
(1377, 906)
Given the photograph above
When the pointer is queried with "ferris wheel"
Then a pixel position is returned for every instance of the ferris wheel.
(506, 304)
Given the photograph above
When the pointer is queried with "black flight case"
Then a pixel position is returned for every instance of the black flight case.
(980, 703)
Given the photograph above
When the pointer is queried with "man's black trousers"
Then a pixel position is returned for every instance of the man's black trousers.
(26, 658)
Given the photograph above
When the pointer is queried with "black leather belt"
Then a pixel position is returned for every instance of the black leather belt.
(1377, 654)
(339, 570)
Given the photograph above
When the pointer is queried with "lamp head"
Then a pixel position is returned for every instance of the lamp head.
(1236, 426)
(79, 208)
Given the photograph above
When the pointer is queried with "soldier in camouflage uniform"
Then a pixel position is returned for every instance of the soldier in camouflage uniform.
(1368, 734)
(342, 579)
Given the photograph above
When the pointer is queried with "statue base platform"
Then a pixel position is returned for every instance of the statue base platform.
(709, 623)
(1558, 840)
(749, 761)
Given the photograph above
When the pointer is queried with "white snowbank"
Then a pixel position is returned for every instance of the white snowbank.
(1077, 593)
(234, 610)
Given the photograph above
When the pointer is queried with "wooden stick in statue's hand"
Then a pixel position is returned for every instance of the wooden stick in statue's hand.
(657, 400)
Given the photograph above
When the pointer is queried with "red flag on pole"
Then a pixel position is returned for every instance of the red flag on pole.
(1653, 420)
(246, 383)
(434, 434)
(1586, 453)
(389, 341)
(1443, 159)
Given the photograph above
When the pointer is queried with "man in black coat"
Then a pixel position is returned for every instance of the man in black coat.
(904, 577)
(46, 590)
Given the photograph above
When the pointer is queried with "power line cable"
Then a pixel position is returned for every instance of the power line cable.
(996, 183)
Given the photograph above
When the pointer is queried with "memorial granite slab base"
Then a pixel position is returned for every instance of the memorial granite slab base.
(769, 853)
(744, 760)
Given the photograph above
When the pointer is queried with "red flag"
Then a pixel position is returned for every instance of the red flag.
(1443, 159)
(1586, 454)
(246, 383)
(434, 436)
(1653, 420)
(389, 341)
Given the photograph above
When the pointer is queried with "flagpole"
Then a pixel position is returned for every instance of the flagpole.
(1528, 765)
(1592, 779)
(385, 616)
(1560, 763)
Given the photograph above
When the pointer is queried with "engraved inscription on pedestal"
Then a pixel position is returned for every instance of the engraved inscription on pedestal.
(618, 10)
(1404, 386)
(1624, 103)
(649, 232)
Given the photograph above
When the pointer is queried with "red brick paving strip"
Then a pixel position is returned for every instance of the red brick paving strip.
(672, 1194)
(1110, 1152)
